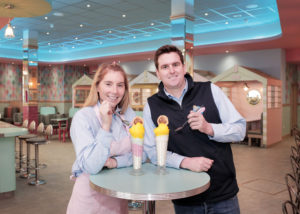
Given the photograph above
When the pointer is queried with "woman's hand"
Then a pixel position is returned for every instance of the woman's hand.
(111, 163)
(106, 111)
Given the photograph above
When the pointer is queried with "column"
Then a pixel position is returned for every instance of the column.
(30, 76)
(182, 21)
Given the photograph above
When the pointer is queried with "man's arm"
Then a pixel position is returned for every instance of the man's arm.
(233, 126)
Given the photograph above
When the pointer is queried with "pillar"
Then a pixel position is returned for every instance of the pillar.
(182, 22)
(30, 76)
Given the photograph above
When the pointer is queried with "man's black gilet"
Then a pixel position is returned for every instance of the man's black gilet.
(193, 143)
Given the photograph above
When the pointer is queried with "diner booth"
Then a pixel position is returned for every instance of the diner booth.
(142, 87)
(80, 91)
(257, 97)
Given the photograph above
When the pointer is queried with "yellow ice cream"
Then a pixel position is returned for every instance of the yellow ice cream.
(162, 129)
(137, 130)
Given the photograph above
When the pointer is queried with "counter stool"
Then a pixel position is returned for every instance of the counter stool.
(21, 139)
(36, 142)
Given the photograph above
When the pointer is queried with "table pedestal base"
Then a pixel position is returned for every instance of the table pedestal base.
(149, 207)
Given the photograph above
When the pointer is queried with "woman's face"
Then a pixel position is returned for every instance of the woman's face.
(112, 87)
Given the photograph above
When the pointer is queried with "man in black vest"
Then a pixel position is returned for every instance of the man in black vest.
(204, 143)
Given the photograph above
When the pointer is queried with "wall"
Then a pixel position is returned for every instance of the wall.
(138, 67)
(55, 85)
(10, 85)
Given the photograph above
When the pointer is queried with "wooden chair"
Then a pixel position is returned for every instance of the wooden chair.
(48, 131)
(25, 123)
(32, 127)
(293, 189)
(40, 129)
(289, 207)
(255, 133)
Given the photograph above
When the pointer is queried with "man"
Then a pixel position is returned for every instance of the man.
(203, 144)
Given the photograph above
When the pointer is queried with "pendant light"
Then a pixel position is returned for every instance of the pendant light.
(9, 32)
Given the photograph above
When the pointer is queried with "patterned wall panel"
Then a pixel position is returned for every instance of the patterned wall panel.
(10, 82)
(72, 74)
(51, 83)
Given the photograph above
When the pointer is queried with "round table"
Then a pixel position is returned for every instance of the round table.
(177, 183)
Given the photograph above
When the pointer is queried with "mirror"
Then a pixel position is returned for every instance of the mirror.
(253, 97)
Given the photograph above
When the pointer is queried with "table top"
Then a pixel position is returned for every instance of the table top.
(60, 119)
(177, 183)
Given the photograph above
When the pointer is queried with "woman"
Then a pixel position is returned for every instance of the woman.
(101, 140)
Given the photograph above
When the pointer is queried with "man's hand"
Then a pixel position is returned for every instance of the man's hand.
(198, 122)
(111, 163)
(197, 164)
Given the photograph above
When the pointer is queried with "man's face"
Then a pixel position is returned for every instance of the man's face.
(171, 71)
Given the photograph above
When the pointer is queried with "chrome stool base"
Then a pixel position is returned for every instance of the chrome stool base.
(135, 205)
(36, 182)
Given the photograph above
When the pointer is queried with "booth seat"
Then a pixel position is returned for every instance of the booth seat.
(9, 114)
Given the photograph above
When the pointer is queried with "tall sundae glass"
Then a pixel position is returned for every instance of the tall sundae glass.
(161, 139)
(137, 132)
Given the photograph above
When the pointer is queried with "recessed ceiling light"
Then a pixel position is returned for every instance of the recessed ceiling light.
(152, 24)
(81, 25)
(227, 51)
(48, 33)
(21, 39)
(88, 5)
(237, 16)
(46, 17)
(73, 46)
(251, 6)
(205, 14)
(58, 14)
(109, 31)
(134, 37)
(124, 15)
(49, 43)
(226, 23)
(76, 38)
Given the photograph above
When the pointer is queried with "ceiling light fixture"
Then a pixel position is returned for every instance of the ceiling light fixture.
(9, 33)
(124, 15)
(205, 14)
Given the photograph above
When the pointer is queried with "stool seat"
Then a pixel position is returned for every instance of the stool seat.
(37, 140)
(26, 136)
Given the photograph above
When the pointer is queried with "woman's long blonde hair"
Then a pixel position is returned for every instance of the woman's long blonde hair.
(93, 97)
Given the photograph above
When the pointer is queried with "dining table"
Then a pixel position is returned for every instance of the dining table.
(60, 121)
(150, 185)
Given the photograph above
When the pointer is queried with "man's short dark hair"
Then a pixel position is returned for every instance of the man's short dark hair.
(167, 49)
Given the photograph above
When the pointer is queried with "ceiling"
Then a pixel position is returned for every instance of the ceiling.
(85, 31)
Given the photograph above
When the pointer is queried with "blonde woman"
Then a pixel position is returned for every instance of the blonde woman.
(101, 140)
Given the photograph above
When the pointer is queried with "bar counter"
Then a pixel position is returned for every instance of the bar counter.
(8, 132)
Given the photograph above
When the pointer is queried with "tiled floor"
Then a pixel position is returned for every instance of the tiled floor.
(260, 173)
